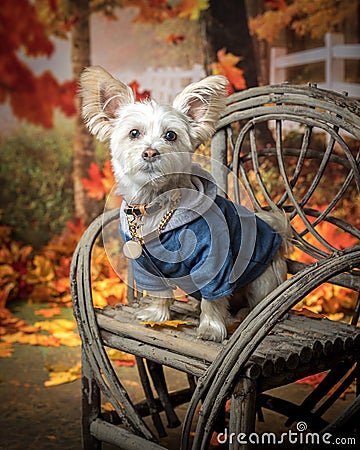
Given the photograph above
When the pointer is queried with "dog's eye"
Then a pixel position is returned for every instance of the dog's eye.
(170, 136)
(134, 134)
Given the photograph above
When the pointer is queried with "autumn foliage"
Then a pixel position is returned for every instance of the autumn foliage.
(31, 97)
(302, 16)
(226, 65)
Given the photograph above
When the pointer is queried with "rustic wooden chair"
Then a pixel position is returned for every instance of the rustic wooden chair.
(289, 145)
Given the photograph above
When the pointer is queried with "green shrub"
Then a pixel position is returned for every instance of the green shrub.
(36, 182)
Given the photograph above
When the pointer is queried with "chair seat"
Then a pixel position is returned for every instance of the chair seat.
(297, 346)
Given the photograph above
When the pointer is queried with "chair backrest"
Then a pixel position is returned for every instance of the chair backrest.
(297, 148)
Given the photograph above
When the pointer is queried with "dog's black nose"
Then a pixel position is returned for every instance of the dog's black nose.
(150, 154)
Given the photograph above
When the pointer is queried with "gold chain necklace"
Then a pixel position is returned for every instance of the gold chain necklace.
(133, 249)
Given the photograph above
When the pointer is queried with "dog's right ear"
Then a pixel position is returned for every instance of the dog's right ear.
(102, 96)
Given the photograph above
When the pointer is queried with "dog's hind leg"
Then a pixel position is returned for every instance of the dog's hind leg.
(274, 275)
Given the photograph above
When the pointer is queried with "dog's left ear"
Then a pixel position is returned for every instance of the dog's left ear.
(203, 102)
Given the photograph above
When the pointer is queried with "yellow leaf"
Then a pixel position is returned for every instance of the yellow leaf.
(192, 8)
(57, 325)
(69, 339)
(62, 377)
(99, 299)
(167, 323)
(115, 355)
(7, 271)
(43, 270)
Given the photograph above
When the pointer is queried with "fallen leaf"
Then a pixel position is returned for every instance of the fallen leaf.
(121, 358)
(64, 376)
(6, 349)
(48, 312)
(43, 270)
(32, 339)
(107, 407)
(312, 380)
(57, 325)
(167, 323)
(28, 328)
(174, 39)
(69, 339)
(306, 312)
(120, 363)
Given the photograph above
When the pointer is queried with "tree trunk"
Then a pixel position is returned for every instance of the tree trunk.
(261, 47)
(225, 25)
(84, 145)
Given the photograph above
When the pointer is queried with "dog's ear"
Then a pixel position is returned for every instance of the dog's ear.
(203, 102)
(102, 95)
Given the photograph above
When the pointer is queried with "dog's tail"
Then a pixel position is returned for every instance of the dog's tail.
(278, 220)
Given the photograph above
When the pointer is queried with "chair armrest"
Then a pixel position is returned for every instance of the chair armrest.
(216, 384)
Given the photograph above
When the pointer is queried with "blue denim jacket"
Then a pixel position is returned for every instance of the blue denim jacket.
(219, 251)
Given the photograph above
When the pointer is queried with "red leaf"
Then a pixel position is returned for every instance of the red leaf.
(174, 39)
(94, 184)
(140, 96)
(312, 380)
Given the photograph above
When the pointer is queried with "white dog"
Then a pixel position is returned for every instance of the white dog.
(178, 231)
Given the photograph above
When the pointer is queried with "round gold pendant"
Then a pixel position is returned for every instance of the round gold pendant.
(132, 249)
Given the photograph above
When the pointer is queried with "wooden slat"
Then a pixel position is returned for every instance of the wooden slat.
(295, 340)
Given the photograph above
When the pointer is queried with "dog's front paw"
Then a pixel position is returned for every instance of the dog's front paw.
(211, 330)
(157, 311)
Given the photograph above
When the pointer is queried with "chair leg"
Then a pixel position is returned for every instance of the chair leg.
(242, 414)
(91, 405)
(158, 377)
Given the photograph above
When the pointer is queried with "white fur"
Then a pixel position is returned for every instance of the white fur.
(159, 308)
(111, 113)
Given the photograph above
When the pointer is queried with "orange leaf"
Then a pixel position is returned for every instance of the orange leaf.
(226, 66)
(48, 312)
(32, 339)
(108, 179)
(6, 349)
(107, 406)
(94, 184)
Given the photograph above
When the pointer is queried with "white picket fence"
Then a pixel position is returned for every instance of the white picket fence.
(333, 53)
(165, 82)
